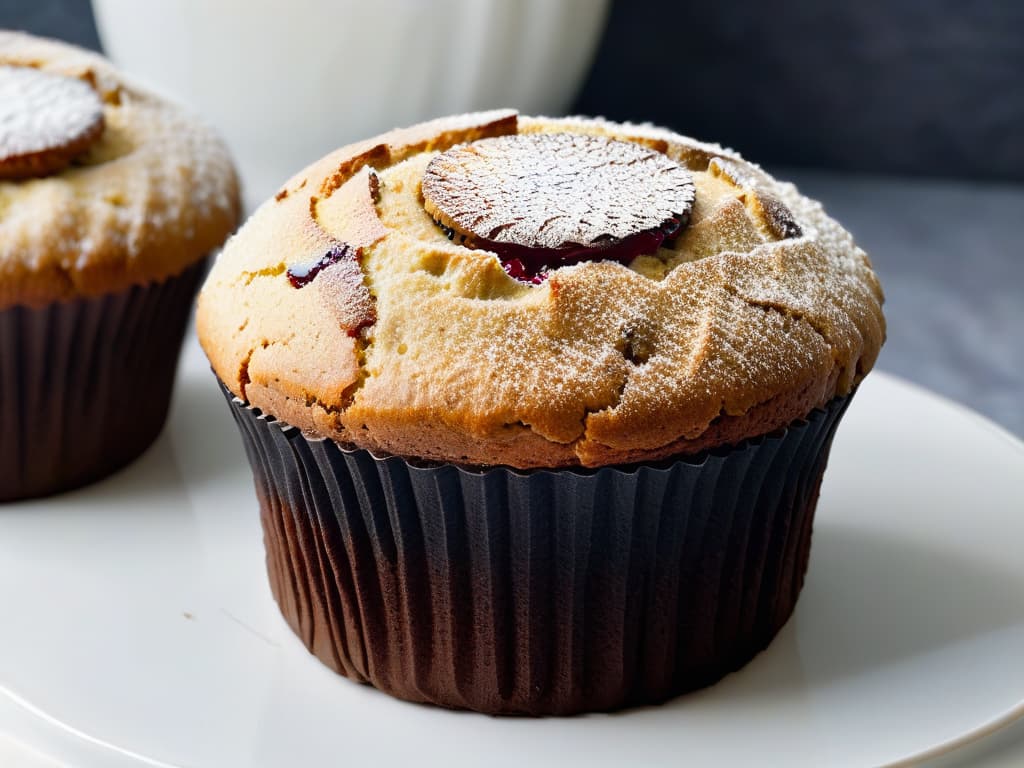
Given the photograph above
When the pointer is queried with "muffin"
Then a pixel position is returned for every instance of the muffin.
(538, 410)
(110, 201)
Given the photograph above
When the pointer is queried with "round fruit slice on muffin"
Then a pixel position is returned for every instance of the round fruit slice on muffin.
(541, 201)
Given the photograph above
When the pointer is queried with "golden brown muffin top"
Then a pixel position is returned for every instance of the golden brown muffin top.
(134, 197)
(343, 308)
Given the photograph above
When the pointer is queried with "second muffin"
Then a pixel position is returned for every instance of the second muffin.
(110, 201)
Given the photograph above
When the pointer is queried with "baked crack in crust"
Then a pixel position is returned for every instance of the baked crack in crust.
(752, 310)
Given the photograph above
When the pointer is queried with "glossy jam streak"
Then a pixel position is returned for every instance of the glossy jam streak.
(303, 273)
(515, 268)
(532, 265)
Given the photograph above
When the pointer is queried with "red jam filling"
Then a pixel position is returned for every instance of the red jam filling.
(532, 265)
(303, 273)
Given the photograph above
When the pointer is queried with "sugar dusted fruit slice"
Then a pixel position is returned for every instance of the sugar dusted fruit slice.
(46, 121)
(544, 200)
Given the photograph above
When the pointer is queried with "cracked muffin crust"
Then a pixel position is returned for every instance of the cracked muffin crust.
(102, 185)
(344, 309)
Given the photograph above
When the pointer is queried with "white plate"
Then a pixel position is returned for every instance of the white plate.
(138, 626)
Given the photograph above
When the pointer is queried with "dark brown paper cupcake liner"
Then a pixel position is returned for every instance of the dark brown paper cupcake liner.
(542, 592)
(85, 385)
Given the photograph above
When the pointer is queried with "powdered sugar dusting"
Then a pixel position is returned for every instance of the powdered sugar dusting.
(154, 193)
(41, 111)
(756, 302)
(763, 294)
(557, 189)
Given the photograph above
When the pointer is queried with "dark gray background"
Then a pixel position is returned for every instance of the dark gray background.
(896, 86)
(931, 87)
(69, 20)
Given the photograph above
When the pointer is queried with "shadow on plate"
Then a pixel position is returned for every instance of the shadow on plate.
(871, 602)
(154, 474)
(202, 432)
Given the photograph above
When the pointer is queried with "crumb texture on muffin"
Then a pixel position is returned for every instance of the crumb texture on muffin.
(759, 310)
(147, 195)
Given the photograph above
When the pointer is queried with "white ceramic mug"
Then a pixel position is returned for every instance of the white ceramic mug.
(286, 81)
